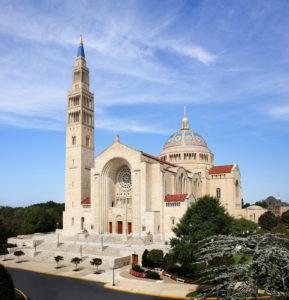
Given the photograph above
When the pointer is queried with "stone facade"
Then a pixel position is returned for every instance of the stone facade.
(131, 193)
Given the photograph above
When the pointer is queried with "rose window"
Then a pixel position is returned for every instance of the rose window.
(124, 178)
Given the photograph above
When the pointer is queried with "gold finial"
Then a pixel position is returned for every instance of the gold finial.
(185, 120)
(81, 34)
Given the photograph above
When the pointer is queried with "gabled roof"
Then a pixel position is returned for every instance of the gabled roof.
(221, 169)
(158, 159)
(176, 198)
(86, 201)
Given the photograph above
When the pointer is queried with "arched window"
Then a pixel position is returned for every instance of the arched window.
(218, 193)
(87, 141)
(73, 140)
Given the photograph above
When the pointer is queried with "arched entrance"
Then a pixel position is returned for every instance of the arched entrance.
(118, 197)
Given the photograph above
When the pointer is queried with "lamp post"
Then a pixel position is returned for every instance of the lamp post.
(113, 282)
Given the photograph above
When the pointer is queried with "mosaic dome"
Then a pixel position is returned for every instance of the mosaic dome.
(185, 137)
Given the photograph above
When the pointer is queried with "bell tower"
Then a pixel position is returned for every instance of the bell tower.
(79, 142)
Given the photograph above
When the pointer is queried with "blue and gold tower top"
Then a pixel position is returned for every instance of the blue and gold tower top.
(80, 50)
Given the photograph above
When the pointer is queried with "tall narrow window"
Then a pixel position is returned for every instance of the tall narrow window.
(87, 141)
(73, 140)
(218, 193)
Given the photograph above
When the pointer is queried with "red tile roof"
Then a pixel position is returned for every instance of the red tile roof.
(176, 198)
(158, 159)
(221, 169)
(86, 201)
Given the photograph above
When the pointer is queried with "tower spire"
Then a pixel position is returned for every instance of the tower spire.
(80, 50)
(185, 120)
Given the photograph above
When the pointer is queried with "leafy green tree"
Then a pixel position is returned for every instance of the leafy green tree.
(145, 261)
(156, 258)
(268, 221)
(18, 254)
(57, 259)
(76, 261)
(243, 227)
(96, 262)
(202, 219)
(6, 285)
(285, 217)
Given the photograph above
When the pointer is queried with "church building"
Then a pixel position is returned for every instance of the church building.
(125, 191)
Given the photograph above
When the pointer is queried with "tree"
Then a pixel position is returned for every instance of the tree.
(6, 285)
(259, 262)
(18, 254)
(3, 251)
(144, 260)
(268, 221)
(155, 258)
(169, 262)
(202, 219)
(76, 261)
(243, 227)
(57, 259)
(96, 262)
(285, 217)
(262, 203)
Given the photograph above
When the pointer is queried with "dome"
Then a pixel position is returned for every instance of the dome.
(185, 137)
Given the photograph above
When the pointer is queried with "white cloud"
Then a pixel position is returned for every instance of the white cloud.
(279, 112)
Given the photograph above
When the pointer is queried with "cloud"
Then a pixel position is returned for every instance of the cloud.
(279, 112)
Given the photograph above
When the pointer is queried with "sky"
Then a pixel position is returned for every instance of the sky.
(226, 61)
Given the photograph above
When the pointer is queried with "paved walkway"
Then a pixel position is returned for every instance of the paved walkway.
(123, 280)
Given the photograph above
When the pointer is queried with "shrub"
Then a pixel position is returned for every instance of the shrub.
(6, 285)
(169, 262)
(152, 275)
(155, 258)
(145, 260)
(137, 268)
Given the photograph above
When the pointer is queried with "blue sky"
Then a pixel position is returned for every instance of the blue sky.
(227, 61)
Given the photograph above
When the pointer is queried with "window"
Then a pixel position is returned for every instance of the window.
(72, 221)
(73, 140)
(87, 140)
(218, 193)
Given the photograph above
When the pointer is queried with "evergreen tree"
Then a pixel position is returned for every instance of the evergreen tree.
(6, 285)
(268, 221)
(256, 262)
(145, 260)
(156, 258)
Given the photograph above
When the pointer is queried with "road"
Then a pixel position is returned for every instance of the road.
(46, 287)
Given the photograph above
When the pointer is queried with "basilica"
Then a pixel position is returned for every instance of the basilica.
(127, 192)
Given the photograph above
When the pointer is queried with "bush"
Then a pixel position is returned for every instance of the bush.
(169, 262)
(6, 285)
(155, 258)
(145, 260)
(152, 275)
(137, 268)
